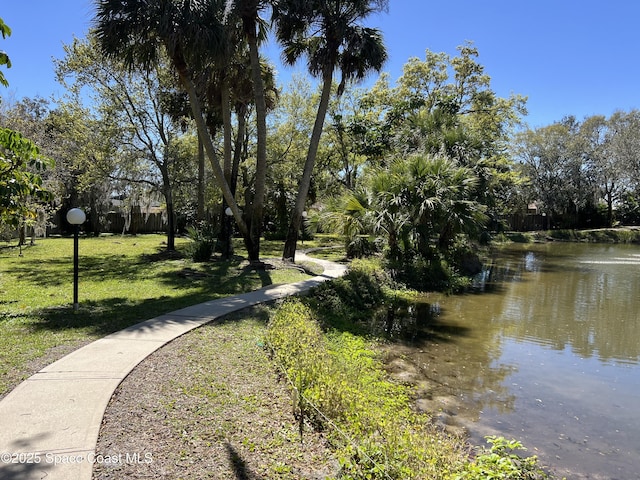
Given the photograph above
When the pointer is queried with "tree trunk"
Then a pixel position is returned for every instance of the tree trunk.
(196, 108)
(22, 234)
(257, 208)
(289, 252)
(609, 209)
(241, 114)
(226, 230)
(200, 212)
(171, 221)
(94, 217)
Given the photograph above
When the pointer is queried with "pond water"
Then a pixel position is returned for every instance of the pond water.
(546, 350)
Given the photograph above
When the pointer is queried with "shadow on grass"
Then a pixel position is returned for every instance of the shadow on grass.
(110, 315)
(59, 271)
(198, 282)
(189, 287)
(226, 276)
(240, 467)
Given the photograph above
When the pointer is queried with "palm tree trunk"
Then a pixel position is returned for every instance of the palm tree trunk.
(210, 150)
(241, 114)
(200, 212)
(257, 208)
(224, 239)
(289, 252)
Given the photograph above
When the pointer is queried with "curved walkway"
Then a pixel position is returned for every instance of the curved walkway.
(49, 424)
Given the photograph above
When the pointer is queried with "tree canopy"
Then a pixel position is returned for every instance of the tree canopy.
(418, 169)
(20, 164)
(18, 185)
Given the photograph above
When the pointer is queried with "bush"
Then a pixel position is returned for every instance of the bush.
(362, 247)
(340, 386)
(430, 274)
(520, 237)
(501, 461)
(204, 237)
(350, 301)
(297, 344)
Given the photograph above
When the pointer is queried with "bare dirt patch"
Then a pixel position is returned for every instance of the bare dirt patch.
(209, 405)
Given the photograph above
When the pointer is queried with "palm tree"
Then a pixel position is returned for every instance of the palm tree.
(329, 34)
(253, 27)
(193, 36)
(439, 197)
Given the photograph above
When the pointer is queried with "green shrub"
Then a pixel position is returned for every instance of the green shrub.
(340, 386)
(362, 247)
(562, 234)
(297, 345)
(430, 274)
(519, 237)
(204, 241)
(501, 462)
(354, 296)
(202, 251)
(367, 418)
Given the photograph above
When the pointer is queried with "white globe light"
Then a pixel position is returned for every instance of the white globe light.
(75, 216)
(228, 212)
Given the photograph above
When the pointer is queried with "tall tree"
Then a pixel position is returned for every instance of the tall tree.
(20, 163)
(624, 156)
(132, 103)
(329, 33)
(444, 104)
(600, 167)
(193, 36)
(552, 160)
(34, 119)
(18, 185)
(253, 27)
(236, 94)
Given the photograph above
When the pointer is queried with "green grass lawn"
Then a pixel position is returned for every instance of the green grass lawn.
(123, 280)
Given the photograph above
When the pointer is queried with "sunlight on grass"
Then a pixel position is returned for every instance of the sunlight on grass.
(123, 280)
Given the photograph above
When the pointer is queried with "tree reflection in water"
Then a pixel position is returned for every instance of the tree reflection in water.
(545, 348)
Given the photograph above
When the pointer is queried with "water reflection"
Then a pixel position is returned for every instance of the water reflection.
(545, 350)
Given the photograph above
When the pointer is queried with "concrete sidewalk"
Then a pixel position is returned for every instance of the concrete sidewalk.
(49, 424)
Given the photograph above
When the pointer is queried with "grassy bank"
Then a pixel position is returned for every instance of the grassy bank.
(123, 280)
(600, 235)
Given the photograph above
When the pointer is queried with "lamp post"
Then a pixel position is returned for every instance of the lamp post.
(75, 217)
(304, 219)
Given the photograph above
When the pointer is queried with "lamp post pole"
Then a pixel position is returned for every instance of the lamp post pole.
(75, 217)
(76, 231)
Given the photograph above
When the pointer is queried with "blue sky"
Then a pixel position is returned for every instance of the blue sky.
(568, 56)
